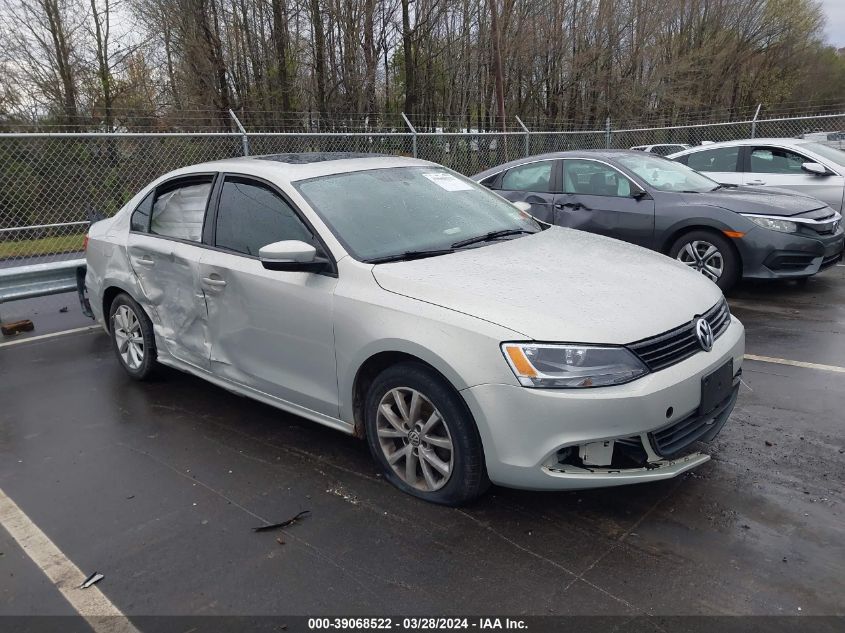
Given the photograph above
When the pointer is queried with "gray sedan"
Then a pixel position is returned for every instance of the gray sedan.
(723, 231)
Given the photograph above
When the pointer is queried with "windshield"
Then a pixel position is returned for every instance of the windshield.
(826, 151)
(384, 212)
(667, 175)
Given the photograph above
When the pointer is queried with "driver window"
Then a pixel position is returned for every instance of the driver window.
(251, 215)
(588, 177)
(774, 160)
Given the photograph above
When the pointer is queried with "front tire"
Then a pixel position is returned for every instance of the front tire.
(132, 337)
(709, 253)
(422, 435)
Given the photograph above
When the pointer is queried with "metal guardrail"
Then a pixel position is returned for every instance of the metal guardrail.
(41, 280)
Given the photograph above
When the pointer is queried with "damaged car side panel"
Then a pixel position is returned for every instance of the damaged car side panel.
(259, 336)
(168, 275)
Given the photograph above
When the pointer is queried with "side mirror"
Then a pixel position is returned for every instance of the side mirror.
(525, 207)
(291, 256)
(639, 194)
(815, 168)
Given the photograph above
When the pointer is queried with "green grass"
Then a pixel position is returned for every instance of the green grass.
(43, 246)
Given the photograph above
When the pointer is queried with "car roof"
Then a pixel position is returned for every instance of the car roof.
(292, 167)
(746, 141)
(581, 153)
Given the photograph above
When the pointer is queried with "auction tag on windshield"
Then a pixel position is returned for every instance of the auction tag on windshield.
(448, 182)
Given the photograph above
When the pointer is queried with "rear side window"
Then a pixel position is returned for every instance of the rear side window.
(251, 215)
(179, 209)
(531, 177)
(490, 181)
(775, 160)
(141, 215)
(719, 159)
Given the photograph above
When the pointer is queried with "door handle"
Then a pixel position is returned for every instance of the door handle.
(756, 182)
(146, 261)
(570, 205)
(214, 283)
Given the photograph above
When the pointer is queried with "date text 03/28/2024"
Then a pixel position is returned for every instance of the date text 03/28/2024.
(418, 623)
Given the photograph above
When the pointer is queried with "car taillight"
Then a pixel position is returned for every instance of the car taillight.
(85, 243)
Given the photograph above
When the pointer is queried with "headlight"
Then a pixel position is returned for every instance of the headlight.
(784, 226)
(548, 366)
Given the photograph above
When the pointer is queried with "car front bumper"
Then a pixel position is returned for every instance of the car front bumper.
(772, 255)
(524, 431)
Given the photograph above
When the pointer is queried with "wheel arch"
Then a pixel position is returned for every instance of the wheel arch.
(679, 232)
(109, 294)
(369, 370)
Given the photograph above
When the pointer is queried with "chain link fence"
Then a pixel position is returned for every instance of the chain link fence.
(51, 185)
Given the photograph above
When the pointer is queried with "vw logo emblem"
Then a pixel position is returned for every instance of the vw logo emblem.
(704, 334)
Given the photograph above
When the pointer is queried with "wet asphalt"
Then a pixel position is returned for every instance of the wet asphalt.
(158, 486)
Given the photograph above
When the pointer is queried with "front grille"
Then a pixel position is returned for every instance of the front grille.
(826, 220)
(667, 349)
(828, 228)
(672, 439)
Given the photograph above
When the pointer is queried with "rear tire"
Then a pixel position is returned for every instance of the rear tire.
(421, 433)
(132, 337)
(711, 254)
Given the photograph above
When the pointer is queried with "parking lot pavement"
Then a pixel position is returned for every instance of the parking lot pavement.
(158, 485)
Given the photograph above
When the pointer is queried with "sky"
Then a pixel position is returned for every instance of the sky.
(835, 29)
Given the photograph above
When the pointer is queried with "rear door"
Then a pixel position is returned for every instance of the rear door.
(598, 198)
(270, 330)
(165, 245)
(772, 166)
(722, 164)
(534, 183)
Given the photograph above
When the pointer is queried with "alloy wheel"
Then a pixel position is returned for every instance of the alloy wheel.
(415, 439)
(128, 337)
(703, 257)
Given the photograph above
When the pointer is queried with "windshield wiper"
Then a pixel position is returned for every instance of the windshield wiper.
(492, 235)
(409, 255)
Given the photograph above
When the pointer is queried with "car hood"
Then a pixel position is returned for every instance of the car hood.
(761, 201)
(559, 285)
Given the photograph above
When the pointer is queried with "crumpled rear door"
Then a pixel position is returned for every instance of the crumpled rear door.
(168, 273)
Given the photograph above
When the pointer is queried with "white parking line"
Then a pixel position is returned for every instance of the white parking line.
(795, 363)
(41, 337)
(90, 603)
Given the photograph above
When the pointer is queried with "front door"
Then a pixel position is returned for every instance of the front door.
(164, 252)
(600, 199)
(270, 330)
(778, 167)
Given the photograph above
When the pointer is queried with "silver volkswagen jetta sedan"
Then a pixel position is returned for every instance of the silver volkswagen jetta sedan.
(395, 300)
